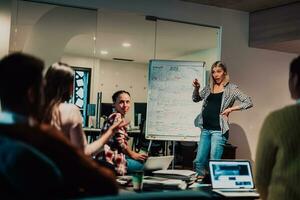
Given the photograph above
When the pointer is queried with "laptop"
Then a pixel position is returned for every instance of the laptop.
(232, 178)
(158, 163)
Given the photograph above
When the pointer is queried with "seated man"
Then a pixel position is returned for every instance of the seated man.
(278, 151)
(21, 94)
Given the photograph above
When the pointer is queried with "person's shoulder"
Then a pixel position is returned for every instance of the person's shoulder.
(68, 107)
(286, 109)
(206, 88)
(231, 85)
(290, 111)
(70, 113)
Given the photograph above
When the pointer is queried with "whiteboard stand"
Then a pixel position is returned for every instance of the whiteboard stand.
(149, 147)
(173, 148)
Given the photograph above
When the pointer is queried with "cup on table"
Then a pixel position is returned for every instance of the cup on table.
(137, 180)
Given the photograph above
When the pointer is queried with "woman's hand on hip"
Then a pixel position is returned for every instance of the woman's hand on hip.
(226, 112)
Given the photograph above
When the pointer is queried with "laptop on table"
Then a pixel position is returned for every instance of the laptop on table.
(158, 163)
(232, 178)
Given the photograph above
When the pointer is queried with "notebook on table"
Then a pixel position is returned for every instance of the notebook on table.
(232, 178)
(158, 163)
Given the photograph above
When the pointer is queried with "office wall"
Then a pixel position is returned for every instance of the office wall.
(5, 24)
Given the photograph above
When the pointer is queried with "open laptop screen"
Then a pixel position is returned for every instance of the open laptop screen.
(231, 174)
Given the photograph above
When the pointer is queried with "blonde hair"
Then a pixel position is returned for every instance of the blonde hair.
(211, 79)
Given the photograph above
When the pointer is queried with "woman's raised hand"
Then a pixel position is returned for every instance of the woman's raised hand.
(119, 122)
(196, 84)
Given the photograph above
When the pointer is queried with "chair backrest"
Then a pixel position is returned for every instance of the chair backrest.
(24, 171)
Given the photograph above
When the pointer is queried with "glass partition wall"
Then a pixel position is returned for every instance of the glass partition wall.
(114, 46)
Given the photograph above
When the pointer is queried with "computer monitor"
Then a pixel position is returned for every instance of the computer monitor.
(140, 110)
(106, 109)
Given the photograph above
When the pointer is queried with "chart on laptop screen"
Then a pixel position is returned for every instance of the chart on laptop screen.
(231, 174)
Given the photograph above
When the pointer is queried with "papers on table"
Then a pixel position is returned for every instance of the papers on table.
(164, 183)
(186, 175)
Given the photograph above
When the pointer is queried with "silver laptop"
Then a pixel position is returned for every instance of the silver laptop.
(158, 163)
(232, 178)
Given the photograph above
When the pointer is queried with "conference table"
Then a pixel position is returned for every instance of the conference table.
(194, 191)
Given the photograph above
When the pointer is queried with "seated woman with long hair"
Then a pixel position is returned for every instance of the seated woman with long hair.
(65, 116)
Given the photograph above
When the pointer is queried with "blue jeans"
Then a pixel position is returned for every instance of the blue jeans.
(133, 165)
(211, 143)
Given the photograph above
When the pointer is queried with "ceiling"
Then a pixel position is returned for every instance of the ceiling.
(244, 5)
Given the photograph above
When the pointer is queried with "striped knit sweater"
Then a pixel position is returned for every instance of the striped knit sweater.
(278, 155)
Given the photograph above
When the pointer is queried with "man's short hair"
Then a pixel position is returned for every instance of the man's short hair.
(19, 72)
(295, 68)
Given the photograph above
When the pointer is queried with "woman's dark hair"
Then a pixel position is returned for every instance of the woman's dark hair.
(59, 77)
(117, 94)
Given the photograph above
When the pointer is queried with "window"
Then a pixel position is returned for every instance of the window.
(81, 91)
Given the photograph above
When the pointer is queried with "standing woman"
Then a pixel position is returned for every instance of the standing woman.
(65, 116)
(218, 99)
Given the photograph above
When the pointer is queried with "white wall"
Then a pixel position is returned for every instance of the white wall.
(5, 24)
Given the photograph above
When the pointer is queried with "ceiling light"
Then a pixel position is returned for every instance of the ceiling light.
(126, 44)
(94, 38)
(103, 52)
